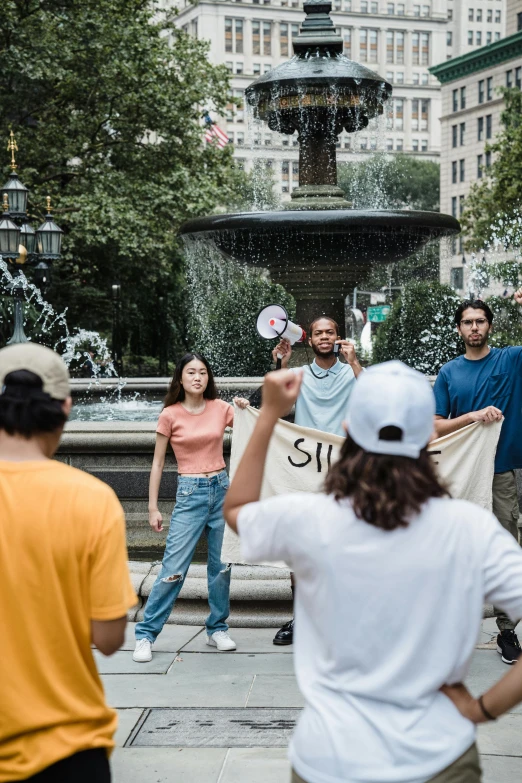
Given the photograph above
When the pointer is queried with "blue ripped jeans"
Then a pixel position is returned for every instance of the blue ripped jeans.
(199, 507)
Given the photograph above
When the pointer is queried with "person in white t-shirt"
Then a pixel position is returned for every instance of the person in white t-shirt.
(392, 575)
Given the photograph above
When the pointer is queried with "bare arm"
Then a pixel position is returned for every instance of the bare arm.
(486, 416)
(280, 391)
(108, 635)
(158, 462)
(501, 698)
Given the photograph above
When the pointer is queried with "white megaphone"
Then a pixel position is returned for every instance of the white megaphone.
(273, 321)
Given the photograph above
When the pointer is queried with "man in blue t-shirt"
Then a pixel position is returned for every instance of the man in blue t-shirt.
(485, 384)
(325, 390)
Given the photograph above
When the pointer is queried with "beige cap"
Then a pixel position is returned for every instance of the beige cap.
(42, 361)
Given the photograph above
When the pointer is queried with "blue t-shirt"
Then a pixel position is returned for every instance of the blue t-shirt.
(464, 385)
(324, 396)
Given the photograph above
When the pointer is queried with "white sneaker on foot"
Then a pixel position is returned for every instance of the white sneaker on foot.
(222, 641)
(143, 651)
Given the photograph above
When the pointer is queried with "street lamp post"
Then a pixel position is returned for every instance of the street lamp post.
(117, 357)
(21, 245)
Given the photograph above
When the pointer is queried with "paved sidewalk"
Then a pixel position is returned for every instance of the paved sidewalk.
(188, 714)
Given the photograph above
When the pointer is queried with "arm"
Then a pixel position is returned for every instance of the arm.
(280, 391)
(158, 462)
(108, 635)
(501, 698)
(446, 426)
(347, 348)
(284, 349)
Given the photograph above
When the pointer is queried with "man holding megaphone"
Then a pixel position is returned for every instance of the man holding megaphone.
(326, 386)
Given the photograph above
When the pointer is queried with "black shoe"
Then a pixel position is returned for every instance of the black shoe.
(508, 646)
(285, 635)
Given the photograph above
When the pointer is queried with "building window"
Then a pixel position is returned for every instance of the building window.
(489, 88)
(419, 114)
(462, 170)
(454, 206)
(396, 114)
(283, 38)
(399, 77)
(481, 92)
(462, 133)
(424, 145)
(425, 10)
(462, 97)
(454, 172)
(478, 38)
(461, 204)
(488, 160)
(449, 39)
(480, 129)
(480, 164)
(390, 8)
(389, 145)
(229, 66)
(368, 42)
(509, 78)
(375, 8)
(364, 7)
(233, 35)
(395, 47)
(416, 78)
(479, 14)
(489, 126)
(240, 139)
(401, 9)
(518, 77)
(416, 10)
(489, 37)
(490, 15)
(457, 277)
(415, 145)
(347, 42)
(471, 15)
(239, 67)
(256, 69)
(236, 112)
(519, 22)
(425, 48)
(470, 37)
(498, 16)
(455, 100)
(347, 5)
(363, 143)
(261, 38)
(454, 135)
(497, 36)
(450, 14)
(399, 145)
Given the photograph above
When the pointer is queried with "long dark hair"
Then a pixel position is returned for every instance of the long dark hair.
(385, 490)
(25, 409)
(176, 392)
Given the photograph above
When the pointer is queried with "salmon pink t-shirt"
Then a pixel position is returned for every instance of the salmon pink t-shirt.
(197, 438)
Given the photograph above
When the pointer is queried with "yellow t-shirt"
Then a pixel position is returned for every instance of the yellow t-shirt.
(63, 562)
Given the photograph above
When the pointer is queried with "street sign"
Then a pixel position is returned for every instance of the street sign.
(377, 298)
(378, 314)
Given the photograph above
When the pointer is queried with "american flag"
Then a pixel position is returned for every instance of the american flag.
(214, 133)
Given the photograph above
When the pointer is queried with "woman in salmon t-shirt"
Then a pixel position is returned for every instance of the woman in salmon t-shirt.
(194, 421)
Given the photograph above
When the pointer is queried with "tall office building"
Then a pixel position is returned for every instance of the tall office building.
(473, 24)
(471, 110)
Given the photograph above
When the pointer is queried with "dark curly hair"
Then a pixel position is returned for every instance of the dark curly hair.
(25, 409)
(475, 304)
(384, 490)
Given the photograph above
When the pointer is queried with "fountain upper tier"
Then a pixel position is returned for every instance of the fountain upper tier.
(318, 236)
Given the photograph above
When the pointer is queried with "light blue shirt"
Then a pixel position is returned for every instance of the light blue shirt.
(324, 396)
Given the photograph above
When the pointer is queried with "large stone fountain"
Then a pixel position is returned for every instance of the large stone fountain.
(318, 247)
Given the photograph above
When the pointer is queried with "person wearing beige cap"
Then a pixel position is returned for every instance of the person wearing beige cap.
(391, 575)
(64, 583)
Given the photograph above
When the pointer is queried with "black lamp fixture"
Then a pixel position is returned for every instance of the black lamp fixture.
(21, 245)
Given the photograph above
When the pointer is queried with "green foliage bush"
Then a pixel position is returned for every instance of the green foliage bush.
(420, 329)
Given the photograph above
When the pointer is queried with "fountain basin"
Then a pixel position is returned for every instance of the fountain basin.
(337, 237)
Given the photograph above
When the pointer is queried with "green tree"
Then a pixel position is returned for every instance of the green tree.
(420, 329)
(105, 98)
(391, 182)
(493, 208)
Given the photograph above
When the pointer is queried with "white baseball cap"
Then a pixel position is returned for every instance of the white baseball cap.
(391, 395)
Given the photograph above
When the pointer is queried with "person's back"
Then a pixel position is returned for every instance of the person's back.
(63, 572)
(391, 579)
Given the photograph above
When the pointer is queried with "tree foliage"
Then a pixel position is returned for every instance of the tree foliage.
(105, 98)
(493, 208)
(420, 329)
(385, 182)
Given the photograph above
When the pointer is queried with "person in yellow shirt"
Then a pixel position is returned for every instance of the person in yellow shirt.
(64, 584)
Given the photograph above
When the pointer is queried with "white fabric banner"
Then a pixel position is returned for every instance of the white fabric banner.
(299, 457)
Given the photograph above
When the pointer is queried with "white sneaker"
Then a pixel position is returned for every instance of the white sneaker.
(222, 641)
(143, 651)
